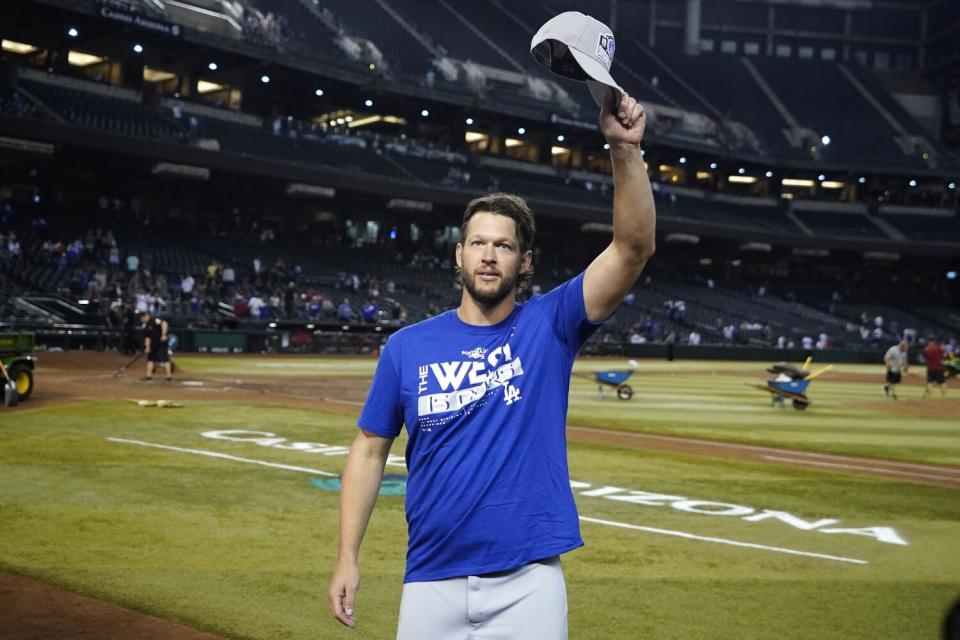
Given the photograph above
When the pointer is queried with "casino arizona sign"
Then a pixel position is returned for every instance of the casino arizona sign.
(886, 535)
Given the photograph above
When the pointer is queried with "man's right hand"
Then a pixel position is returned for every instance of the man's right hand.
(343, 593)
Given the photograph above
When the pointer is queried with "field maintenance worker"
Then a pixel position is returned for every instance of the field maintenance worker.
(896, 360)
(933, 356)
(483, 392)
(155, 345)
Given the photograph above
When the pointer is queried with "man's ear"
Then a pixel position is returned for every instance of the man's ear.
(459, 254)
(526, 261)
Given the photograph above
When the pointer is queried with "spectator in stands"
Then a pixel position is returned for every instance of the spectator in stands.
(896, 360)
(823, 341)
(229, 276)
(186, 287)
(369, 312)
(693, 338)
(806, 342)
(933, 354)
(240, 306)
(133, 263)
(345, 311)
(256, 306)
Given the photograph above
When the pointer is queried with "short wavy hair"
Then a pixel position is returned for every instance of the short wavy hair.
(516, 208)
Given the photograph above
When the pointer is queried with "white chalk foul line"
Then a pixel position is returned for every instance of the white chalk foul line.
(609, 523)
(224, 456)
(856, 467)
(733, 543)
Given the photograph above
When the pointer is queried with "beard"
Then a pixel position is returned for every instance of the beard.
(491, 297)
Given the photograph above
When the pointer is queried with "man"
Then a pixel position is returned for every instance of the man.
(896, 361)
(483, 392)
(933, 354)
(155, 345)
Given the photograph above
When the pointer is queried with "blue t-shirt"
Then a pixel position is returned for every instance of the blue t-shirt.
(485, 407)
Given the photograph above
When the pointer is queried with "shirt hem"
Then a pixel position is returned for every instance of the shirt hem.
(460, 572)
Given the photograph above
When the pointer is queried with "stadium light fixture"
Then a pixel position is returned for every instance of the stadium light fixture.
(558, 151)
(683, 160)
(72, 32)
(951, 275)
(318, 93)
(797, 182)
(769, 174)
(212, 66)
(512, 142)
(373, 67)
(825, 141)
(952, 185)
(469, 121)
(821, 178)
(424, 113)
(80, 59)
(138, 48)
(741, 171)
(832, 184)
(862, 180)
(265, 79)
(742, 179)
(912, 183)
(606, 146)
(521, 131)
(713, 165)
(205, 86)
(17, 47)
(560, 138)
(368, 102)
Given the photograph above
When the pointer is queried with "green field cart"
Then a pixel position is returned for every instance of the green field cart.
(16, 374)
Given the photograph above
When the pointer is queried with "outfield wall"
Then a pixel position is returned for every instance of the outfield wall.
(367, 340)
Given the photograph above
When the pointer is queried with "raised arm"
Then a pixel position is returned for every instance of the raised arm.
(358, 494)
(613, 272)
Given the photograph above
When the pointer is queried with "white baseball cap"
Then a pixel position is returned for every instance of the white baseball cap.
(579, 47)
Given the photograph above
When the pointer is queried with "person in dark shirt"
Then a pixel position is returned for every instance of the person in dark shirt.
(155, 343)
(933, 354)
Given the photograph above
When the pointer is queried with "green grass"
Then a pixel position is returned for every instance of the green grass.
(700, 399)
(714, 401)
(246, 551)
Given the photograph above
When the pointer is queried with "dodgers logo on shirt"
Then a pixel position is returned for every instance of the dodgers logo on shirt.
(464, 382)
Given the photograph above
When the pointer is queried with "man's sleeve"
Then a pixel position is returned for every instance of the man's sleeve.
(383, 412)
(566, 312)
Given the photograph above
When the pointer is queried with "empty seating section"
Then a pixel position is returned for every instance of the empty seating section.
(763, 219)
(95, 111)
(820, 97)
(725, 81)
(927, 228)
(434, 20)
(305, 32)
(837, 225)
(366, 19)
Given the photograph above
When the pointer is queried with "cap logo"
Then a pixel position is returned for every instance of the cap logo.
(605, 49)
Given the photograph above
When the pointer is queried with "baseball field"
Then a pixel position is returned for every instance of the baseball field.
(707, 513)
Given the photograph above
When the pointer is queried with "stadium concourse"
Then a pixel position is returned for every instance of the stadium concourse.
(286, 179)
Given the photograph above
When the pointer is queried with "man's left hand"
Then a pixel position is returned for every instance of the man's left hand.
(626, 125)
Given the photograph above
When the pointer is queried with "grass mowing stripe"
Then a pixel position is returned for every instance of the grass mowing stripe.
(856, 467)
(734, 543)
(214, 454)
